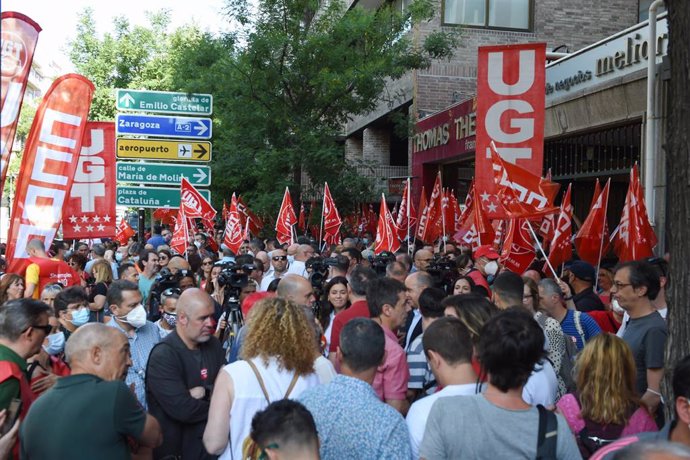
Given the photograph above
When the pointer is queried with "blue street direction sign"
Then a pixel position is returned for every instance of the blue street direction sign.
(162, 126)
(152, 197)
(160, 149)
(162, 173)
(164, 102)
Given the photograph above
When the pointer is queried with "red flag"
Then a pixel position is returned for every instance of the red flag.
(124, 232)
(372, 219)
(49, 163)
(180, 237)
(597, 192)
(466, 214)
(635, 238)
(19, 38)
(561, 245)
(481, 231)
(331, 218)
(591, 240)
(166, 215)
(423, 204)
(499, 233)
(225, 210)
(386, 231)
(518, 252)
(407, 216)
(193, 204)
(301, 222)
(89, 211)
(233, 228)
(286, 219)
(246, 214)
(522, 193)
(429, 229)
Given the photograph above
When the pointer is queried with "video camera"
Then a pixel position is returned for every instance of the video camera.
(233, 278)
(443, 271)
(381, 261)
(165, 279)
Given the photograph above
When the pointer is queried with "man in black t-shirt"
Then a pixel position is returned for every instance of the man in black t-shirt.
(580, 276)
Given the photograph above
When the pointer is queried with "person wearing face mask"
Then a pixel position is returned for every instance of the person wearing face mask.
(71, 309)
(168, 309)
(129, 316)
(485, 267)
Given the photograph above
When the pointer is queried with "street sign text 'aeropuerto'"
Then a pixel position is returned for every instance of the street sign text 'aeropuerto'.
(164, 102)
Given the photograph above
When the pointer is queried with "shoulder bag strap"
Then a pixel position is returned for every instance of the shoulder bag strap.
(292, 385)
(547, 435)
(261, 381)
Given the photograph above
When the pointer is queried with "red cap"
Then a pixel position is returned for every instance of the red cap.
(486, 251)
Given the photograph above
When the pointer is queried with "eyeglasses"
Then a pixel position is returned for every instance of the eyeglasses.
(621, 285)
(277, 258)
(207, 263)
(47, 329)
(162, 257)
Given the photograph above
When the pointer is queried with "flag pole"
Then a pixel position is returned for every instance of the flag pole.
(407, 198)
(541, 249)
(443, 221)
(601, 244)
(323, 204)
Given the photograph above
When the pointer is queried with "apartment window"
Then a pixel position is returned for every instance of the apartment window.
(500, 14)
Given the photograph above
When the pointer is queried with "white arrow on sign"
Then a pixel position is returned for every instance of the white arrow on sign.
(127, 99)
(200, 175)
(201, 128)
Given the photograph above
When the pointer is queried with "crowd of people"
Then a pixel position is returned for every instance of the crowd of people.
(301, 351)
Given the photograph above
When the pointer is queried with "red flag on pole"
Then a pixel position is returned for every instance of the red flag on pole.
(49, 163)
(480, 231)
(180, 236)
(302, 222)
(247, 215)
(522, 193)
(165, 215)
(331, 217)
(518, 252)
(193, 204)
(407, 216)
(233, 228)
(592, 238)
(429, 229)
(561, 245)
(124, 232)
(386, 231)
(286, 219)
(635, 238)
(19, 38)
(597, 192)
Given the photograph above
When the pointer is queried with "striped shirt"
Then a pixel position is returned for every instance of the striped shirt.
(420, 372)
(583, 328)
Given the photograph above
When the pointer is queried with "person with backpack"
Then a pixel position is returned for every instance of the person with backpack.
(499, 423)
(574, 323)
(605, 406)
(277, 363)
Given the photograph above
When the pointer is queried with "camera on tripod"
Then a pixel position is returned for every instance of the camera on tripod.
(165, 279)
(381, 261)
(442, 270)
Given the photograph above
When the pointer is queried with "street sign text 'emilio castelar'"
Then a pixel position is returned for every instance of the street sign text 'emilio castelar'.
(164, 102)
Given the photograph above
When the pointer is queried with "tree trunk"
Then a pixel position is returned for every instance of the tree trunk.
(678, 204)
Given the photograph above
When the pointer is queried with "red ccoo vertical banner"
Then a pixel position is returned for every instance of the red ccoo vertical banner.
(510, 112)
(19, 38)
(89, 211)
(49, 163)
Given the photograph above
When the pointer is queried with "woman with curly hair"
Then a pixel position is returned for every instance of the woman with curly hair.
(11, 287)
(278, 362)
(605, 406)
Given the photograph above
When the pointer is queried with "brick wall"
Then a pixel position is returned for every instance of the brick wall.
(376, 145)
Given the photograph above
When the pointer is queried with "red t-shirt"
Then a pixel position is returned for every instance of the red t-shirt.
(606, 321)
(359, 309)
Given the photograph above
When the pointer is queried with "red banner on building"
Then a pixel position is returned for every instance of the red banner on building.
(510, 111)
(49, 163)
(89, 211)
(19, 38)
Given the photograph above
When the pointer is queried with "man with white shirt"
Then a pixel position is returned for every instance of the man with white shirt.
(298, 267)
(415, 284)
(448, 348)
(279, 263)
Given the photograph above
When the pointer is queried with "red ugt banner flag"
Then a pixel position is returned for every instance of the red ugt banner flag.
(193, 204)
(510, 111)
(562, 246)
(90, 208)
(49, 163)
(19, 38)
(124, 232)
(386, 231)
(331, 217)
(286, 219)
(233, 228)
(635, 237)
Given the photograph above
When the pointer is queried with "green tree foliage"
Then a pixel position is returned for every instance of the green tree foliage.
(288, 79)
(130, 57)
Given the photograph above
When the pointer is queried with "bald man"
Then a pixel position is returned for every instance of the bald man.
(180, 375)
(304, 253)
(422, 258)
(178, 263)
(296, 288)
(415, 284)
(97, 411)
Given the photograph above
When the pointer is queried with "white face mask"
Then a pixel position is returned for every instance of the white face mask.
(491, 268)
(136, 317)
(616, 307)
(197, 244)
